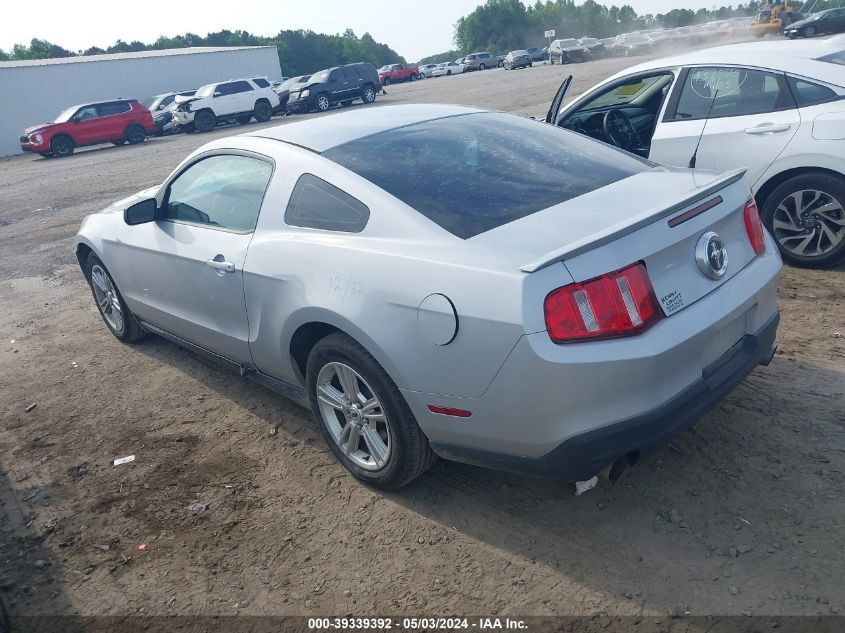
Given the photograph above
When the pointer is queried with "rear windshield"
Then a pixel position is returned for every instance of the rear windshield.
(473, 173)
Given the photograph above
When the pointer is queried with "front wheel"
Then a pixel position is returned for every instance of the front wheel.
(204, 121)
(806, 216)
(482, 67)
(810, 31)
(363, 417)
(322, 103)
(117, 317)
(62, 146)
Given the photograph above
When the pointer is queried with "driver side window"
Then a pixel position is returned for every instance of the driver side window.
(88, 112)
(224, 191)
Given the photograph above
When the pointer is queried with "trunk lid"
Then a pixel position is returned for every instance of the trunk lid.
(657, 217)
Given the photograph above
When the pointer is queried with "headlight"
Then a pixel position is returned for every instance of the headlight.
(305, 93)
(37, 138)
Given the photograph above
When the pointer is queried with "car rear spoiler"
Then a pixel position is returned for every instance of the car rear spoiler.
(612, 233)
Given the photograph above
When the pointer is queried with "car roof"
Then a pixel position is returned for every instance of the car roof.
(323, 133)
(793, 56)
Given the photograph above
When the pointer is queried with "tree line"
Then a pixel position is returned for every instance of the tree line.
(300, 52)
(504, 25)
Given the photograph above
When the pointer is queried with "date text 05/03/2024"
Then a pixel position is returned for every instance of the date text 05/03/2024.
(417, 624)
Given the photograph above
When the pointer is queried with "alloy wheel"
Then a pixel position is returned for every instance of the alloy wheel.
(106, 297)
(322, 103)
(809, 223)
(354, 416)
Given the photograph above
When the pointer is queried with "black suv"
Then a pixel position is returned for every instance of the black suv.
(341, 84)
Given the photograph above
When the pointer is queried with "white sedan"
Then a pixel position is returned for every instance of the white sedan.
(426, 70)
(448, 68)
(776, 109)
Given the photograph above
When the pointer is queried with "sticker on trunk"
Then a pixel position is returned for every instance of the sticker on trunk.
(672, 302)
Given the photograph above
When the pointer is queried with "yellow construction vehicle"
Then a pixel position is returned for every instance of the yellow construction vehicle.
(773, 19)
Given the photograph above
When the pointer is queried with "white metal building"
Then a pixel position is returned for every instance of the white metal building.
(36, 91)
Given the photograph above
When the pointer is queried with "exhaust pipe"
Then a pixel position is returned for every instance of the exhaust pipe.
(614, 471)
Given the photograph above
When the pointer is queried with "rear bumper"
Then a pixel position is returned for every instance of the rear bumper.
(582, 456)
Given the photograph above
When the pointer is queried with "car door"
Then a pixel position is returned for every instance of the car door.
(354, 83)
(86, 125)
(337, 85)
(188, 264)
(225, 100)
(111, 124)
(836, 21)
(244, 94)
(744, 118)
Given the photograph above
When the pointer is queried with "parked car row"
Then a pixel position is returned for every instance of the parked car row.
(241, 100)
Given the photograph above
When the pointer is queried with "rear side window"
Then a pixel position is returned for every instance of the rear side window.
(261, 83)
(724, 92)
(473, 173)
(115, 107)
(317, 204)
(809, 93)
(239, 86)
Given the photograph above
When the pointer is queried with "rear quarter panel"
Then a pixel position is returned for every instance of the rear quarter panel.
(370, 285)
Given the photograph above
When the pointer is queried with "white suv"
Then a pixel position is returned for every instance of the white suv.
(226, 101)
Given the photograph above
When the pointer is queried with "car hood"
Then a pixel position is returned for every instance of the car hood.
(179, 99)
(801, 23)
(38, 128)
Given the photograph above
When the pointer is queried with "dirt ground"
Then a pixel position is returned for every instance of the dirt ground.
(744, 514)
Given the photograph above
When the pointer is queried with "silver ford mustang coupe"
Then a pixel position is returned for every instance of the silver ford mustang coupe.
(441, 280)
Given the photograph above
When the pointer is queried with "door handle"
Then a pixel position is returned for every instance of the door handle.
(226, 267)
(768, 128)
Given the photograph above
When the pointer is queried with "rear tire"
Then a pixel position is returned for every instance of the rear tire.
(204, 121)
(386, 81)
(117, 317)
(791, 215)
(135, 134)
(263, 112)
(62, 146)
(400, 450)
(369, 94)
(413, 77)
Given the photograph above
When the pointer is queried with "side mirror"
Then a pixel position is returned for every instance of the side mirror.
(141, 212)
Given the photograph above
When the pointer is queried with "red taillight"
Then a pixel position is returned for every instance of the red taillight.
(620, 303)
(754, 227)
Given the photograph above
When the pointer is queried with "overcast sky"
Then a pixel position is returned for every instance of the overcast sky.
(413, 28)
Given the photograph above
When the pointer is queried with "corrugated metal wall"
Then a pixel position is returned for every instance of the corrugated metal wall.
(36, 94)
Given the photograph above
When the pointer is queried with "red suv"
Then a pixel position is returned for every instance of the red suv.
(116, 122)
